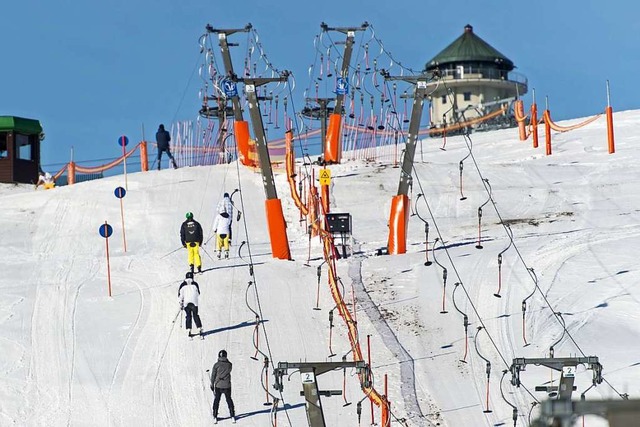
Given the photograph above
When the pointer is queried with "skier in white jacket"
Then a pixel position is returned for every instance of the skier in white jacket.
(188, 294)
(226, 205)
(222, 228)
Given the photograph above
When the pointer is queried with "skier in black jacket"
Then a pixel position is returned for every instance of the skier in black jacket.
(162, 139)
(221, 384)
(191, 238)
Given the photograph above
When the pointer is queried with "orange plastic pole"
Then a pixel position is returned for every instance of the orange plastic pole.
(398, 222)
(332, 149)
(547, 131)
(144, 159)
(277, 229)
(609, 112)
(534, 123)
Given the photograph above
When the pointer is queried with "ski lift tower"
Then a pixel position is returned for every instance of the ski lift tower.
(332, 149)
(275, 217)
(400, 204)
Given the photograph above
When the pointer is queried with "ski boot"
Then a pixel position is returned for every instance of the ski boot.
(199, 269)
(191, 268)
(219, 254)
(175, 166)
(226, 255)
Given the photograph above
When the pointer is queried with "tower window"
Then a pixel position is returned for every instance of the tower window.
(444, 99)
(467, 96)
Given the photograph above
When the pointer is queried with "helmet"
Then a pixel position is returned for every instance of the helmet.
(189, 215)
(222, 353)
(47, 175)
(226, 195)
(189, 275)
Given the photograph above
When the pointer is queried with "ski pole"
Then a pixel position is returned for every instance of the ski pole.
(175, 250)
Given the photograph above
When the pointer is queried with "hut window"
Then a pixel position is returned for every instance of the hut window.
(23, 147)
(444, 99)
(3, 144)
(467, 96)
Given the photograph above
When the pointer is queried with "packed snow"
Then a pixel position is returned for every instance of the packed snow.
(72, 355)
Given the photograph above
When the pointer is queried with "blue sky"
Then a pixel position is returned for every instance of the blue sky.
(91, 71)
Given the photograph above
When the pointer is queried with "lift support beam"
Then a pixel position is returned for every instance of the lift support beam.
(309, 371)
(400, 205)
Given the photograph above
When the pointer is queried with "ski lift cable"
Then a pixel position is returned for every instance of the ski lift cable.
(254, 278)
(468, 141)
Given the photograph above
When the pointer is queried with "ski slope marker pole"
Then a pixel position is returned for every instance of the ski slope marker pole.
(120, 193)
(105, 231)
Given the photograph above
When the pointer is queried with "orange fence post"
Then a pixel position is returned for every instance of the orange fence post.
(612, 148)
(144, 159)
(534, 123)
(547, 131)
(71, 173)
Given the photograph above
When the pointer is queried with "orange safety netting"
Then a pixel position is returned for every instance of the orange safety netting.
(467, 123)
(97, 169)
(557, 128)
(290, 164)
(329, 251)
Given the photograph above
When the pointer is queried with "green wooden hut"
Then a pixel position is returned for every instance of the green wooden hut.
(19, 149)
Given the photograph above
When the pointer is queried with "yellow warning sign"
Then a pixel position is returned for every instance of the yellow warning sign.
(325, 177)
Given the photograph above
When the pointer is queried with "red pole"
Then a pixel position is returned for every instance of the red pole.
(386, 398)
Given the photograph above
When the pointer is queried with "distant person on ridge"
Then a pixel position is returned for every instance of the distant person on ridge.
(191, 238)
(188, 294)
(222, 228)
(226, 205)
(162, 139)
(221, 384)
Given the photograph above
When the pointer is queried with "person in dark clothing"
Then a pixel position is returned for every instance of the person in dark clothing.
(188, 295)
(221, 384)
(191, 238)
(162, 139)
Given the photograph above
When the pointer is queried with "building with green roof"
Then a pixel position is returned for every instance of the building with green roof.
(476, 80)
(19, 149)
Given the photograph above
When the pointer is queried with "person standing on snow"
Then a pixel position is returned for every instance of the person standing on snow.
(226, 205)
(222, 228)
(221, 384)
(162, 139)
(188, 294)
(191, 238)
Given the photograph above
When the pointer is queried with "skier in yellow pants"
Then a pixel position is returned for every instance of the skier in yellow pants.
(191, 238)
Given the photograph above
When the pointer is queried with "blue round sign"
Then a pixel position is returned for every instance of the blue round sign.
(120, 192)
(123, 141)
(105, 230)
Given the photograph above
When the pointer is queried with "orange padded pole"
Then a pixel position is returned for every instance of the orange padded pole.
(609, 112)
(547, 131)
(398, 222)
(144, 158)
(332, 149)
(277, 229)
(241, 130)
(534, 124)
(522, 131)
(71, 173)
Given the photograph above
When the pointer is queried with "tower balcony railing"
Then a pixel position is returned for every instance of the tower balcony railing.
(468, 72)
